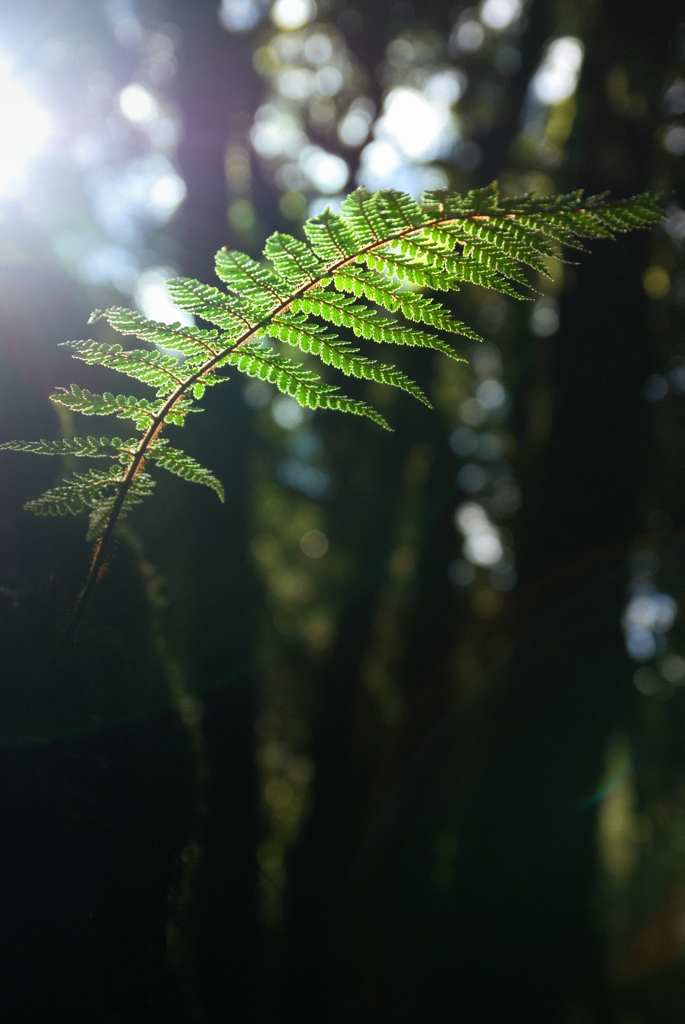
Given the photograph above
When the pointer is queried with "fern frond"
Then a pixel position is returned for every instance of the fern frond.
(331, 238)
(293, 379)
(191, 342)
(249, 279)
(294, 262)
(394, 264)
(141, 487)
(414, 307)
(398, 211)
(351, 272)
(176, 461)
(365, 323)
(160, 371)
(86, 447)
(84, 490)
(124, 407)
(364, 219)
(297, 330)
(232, 314)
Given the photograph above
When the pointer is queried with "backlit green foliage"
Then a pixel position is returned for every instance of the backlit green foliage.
(377, 257)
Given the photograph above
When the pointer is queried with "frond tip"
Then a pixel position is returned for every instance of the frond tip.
(363, 271)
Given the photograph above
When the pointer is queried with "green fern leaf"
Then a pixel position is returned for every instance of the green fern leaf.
(293, 379)
(293, 261)
(84, 490)
(412, 306)
(331, 238)
(365, 323)
(393, 264)
(191, 342)
(184, 466)
(161, 372)
(87, 447)
(363, 218)
(124, 407)
(397, 211)
(141, 487)
(333, 351)
(247, 278)
(233, 315)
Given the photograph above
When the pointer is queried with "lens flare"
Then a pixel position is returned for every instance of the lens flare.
(25, 127)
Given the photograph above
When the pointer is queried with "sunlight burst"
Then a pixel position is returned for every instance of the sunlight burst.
(25, 127)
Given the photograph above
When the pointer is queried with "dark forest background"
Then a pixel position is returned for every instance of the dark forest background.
(378, 785)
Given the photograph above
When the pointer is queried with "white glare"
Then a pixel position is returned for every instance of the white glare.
(111, 264)
(138, 105)
(491, 394)
(482, 544)
(641, 644)
(674, 139)
(469, 36)
(328, 173)
(675, 223)
(290, 14)
(353, 130)
(422, 129)
(295, 83)
(674, 98)
(152, 297)
(654, 612)
(277, 132)
(499, 14)
(329, 80)
(383, 166)
(445, 87)
(167, 193)
(288, 413)
(24, 129)
(544, 321)
(557, 77)
(239, 15)
(318, 48)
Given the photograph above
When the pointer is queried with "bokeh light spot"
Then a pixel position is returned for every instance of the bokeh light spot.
(326, 171)
(421, 128)
(491, 394)
(239, 15)
(469, 36)
(557, 77)
(672, 668)
(291, 14)
(287, 413)
(314, 544)
(656, 282)
(544, 321)
(463, 441)
(138, 105)
(674, 139)
(499, 14)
